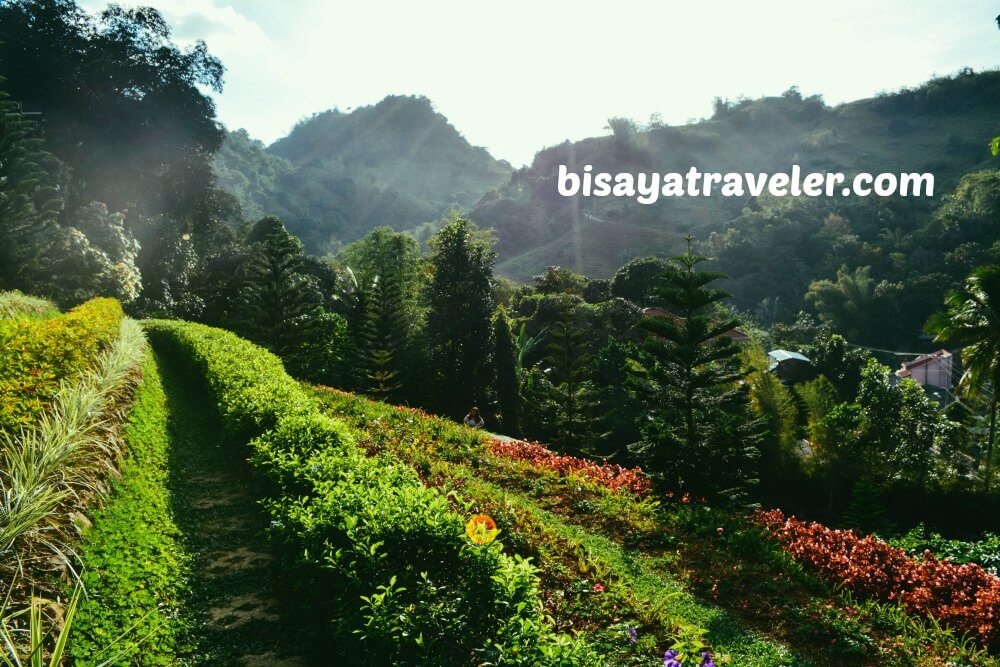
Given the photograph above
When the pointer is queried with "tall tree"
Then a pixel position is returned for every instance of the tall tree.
(382, 276)
(508, 373)
(120, 103)
(460, 306)
(277, 301)
(972, 319)
(697, 428)
(567, 395)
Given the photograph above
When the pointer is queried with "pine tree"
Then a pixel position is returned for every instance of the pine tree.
(508, 373)
(568, 397)
(698, 433)
(278, 301)
(460, 308)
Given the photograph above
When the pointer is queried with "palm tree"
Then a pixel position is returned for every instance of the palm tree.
(973, 320)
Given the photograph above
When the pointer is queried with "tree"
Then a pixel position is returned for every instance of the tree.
(972, 319)
(278, 301)
(775, 404)
(380, 297)
(854, 304)
(120, 102)
(508, 373)
(68, 255)
(637, 280)
(460, 307)
(567, 399)
(697, 429)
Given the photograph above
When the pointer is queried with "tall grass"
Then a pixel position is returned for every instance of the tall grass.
(17, 305)
(49, 469)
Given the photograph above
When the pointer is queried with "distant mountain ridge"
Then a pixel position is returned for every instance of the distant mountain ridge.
(943, 127)
(400, 163)
(338, 175)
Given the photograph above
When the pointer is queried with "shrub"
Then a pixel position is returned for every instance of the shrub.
(49, 470)
(963, 597)
(16, 305)
(609, 475)
(400, 573)
(36, 355)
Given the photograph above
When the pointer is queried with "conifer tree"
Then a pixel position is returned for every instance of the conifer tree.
(460, 308)
(566, 394)
(698, 433)
(508, 373)
(278, 301)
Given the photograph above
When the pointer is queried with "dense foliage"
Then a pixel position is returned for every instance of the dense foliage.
(37, 355)
(385, 542)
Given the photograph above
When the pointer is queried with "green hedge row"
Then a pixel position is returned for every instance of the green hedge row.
(134, 560)
(388, 553)
(37, 354)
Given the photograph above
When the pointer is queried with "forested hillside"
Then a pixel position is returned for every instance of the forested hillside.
(943, 126)
(338, 175)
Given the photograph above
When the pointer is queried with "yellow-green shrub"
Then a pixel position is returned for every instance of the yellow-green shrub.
(35, 355)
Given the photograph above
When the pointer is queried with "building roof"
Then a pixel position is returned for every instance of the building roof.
(926, 359)
(785, 355)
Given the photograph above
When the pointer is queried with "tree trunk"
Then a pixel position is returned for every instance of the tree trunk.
(991, 438)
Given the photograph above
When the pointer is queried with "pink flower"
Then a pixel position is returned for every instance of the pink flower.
(598, 588)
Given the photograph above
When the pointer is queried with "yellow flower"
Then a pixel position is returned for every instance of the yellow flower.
(481, 529)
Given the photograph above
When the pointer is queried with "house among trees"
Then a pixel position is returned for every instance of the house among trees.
(790, 367)
(934, 369)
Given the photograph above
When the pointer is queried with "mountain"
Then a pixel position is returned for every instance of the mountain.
(338, 175)
(942, 127)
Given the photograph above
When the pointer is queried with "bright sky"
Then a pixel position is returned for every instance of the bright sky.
(524, 74)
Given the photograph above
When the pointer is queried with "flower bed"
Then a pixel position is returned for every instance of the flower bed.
(963, 597)
(612, 476)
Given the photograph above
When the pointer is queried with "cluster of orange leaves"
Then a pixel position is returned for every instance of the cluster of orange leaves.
(964, 597)
(609, 475)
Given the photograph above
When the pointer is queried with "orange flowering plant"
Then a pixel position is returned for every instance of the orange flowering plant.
(481, 529)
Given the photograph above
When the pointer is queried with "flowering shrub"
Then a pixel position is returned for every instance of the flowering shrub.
(35, 355)
(614, 477)
(963, 597)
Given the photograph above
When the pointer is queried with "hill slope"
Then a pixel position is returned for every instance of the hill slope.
(338, 175)
(942, 127)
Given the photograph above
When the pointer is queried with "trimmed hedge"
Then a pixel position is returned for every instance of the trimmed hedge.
(37, 354)
(134, 560)
(388, 554)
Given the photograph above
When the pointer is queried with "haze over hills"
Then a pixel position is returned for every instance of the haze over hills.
(942, 127)
(400, 163)
(338, 175)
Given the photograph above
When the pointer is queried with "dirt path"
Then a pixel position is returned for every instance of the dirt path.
(238, 614)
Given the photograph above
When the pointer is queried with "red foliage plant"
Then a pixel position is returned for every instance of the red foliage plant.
(964, 597)
(609, 475)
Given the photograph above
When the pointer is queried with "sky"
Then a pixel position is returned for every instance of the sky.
(521, 75)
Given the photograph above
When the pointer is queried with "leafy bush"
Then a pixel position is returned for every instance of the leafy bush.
(964, 597)
(134, 561)
(405, 579)
(50, 470)
(35, 355)
(21, 306)
(984, 552)
(612, 476)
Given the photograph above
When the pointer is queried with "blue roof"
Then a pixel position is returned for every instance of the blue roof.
(785, 355)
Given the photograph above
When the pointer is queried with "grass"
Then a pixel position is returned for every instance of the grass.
(15, 305)
(666, 567)
(137, 567)
(50, 470)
